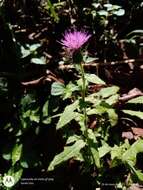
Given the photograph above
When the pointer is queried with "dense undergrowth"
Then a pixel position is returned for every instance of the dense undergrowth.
(71, 119)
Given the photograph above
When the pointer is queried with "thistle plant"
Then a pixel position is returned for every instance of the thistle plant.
(73, 41)
(92, 143)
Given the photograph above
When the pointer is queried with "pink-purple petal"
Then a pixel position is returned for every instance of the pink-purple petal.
(74, 39)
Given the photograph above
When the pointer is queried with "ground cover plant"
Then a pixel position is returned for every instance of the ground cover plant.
(71, 94)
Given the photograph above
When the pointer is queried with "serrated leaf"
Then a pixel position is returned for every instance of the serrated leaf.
(69, 152)
(68, 115)
(16, 153)
(57, 88)
(93, 79)
(137, 100)
(134, 113)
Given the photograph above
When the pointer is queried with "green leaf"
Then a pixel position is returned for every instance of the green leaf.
(103, 150)
(109, 91)
(103, 13)
(16, 153)
(99, 110)
(15, 173)
(139, 174)
(69, 152)
(136, 172)
(57, 88)
(39, 61)
(68, 115)
(108, 5)
(113, 117)
(45, 109)
(134, 113)
(6, 156)
(135, 33)
(24, 164)
(93, 79)
(34, 116)
(119, 12)
(69, 89)
(92, 144)
(34, 47)
(137, 100)
(112, 99)
(72, 139)
(25, 52)
(87, 59)
(52, 10)
(116, 152)
(130, 155)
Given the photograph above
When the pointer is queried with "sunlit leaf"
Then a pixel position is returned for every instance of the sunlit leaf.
(15, 173)
(57, 88)
(68, 115)
(69, 152)
(138, 114)
(113, 117)
(137, 100)
(16, 153)
(112, 99)
(93, 79)
(39, 61)
(92, 145)
(119, 12)
(130, 155)
(103, 13)
(103, 150)
(109, 91)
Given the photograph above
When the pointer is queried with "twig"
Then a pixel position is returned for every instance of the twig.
(42, 79)
(132, 94)
(95, 64)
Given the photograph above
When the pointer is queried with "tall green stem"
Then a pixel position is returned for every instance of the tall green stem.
(83, 96)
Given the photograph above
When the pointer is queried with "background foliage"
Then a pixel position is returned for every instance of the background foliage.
(41, 123)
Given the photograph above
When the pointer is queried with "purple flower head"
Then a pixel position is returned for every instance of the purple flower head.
(73, 40)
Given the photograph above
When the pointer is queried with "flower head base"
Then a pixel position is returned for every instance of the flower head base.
(73, 40)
